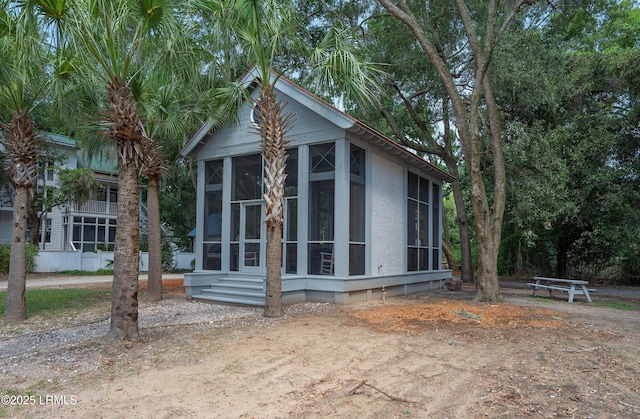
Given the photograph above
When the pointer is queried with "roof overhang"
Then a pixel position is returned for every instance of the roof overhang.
(334, 115)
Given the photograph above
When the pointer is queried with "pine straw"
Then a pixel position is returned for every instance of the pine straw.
(436, 313)
(169, 286)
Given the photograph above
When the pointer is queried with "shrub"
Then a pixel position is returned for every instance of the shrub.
(166, 253)
(105, 247)
(5, 257)
(5, 252)
(32, 252)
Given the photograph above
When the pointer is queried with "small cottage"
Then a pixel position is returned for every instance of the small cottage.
(363, 215)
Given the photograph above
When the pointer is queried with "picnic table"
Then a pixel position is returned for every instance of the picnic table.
(572, 286)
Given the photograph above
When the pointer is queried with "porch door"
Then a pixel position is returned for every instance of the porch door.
(252, 237)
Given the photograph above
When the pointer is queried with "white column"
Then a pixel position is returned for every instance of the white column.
(199, 214)
(303, 208)
(227, 185)
(341, 210)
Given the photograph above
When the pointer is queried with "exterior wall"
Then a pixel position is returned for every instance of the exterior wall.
(240, 139)
(6, 220)
(385, 271)
(183, 260)
(57, 230)
(387, 217)
(307, 128)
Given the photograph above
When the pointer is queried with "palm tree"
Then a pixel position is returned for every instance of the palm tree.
(23, 59)
(116, 39)
(171, 100)
(153, 168)
(266, 31)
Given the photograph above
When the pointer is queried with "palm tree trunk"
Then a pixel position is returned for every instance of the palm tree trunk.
(273, 127)
(154, 290)
(124, 304)
(273, 302)
(16, 309)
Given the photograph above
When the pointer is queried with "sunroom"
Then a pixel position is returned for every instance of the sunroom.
(362, 214)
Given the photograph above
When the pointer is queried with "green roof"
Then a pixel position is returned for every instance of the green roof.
(59, 139)
(100, 163)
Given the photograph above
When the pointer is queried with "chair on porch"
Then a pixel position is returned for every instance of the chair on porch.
(326, 263)
(251, 259)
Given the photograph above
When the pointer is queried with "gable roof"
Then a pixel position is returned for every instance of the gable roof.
(335, 116)
(100, 163)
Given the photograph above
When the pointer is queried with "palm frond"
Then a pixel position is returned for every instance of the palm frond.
(335, 65)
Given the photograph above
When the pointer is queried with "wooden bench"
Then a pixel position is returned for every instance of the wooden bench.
(571, 286)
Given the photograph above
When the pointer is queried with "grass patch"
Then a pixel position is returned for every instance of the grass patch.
(617, 304)
(52, 302)
(87, 273)
(544, 299)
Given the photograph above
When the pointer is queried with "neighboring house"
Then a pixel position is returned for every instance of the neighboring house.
(85, 227)
(363, 215)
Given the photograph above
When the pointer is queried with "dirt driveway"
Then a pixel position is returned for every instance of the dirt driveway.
(431, 356)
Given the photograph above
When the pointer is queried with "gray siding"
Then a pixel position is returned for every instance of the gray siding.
(57, 230)
(387, 215)
(307, 128)
(6, 219)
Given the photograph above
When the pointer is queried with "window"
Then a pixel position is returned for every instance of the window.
(49, 171)
(47, 230)
(90, 234)
(246, 217)
(113, 195)
(321, 207)
(417, 223)
(212, 237)
(357, 211)
(255, 115)
(247, 177)
(290, 252)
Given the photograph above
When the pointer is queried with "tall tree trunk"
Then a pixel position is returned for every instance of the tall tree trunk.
(273, 127)
(446, 242)
(273, 299)
(34, 227)
(466, 268)
(467, 111)
(16, 309)
(491, 214)
(154, 290)
(20, 145)
(487, 232)
(124, 303)
(487, 286)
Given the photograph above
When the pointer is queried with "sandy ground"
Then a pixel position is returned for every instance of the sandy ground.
(432, 356)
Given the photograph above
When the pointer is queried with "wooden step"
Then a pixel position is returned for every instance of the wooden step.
(235, 290)
(229, 300)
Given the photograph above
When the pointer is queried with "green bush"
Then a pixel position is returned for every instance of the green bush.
(166, 253)
(144, 243)
(105, 247)
(5, 253)
(5, 256)
(32, 252)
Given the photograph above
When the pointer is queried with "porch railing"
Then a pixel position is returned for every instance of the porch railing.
(95, 207)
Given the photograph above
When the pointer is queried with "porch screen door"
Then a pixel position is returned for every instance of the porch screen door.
(252, 222)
